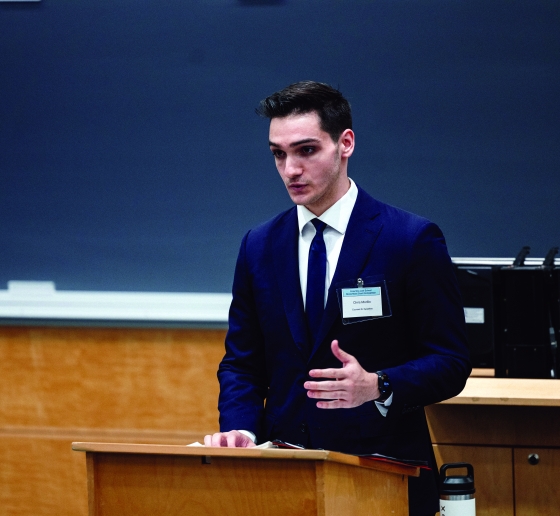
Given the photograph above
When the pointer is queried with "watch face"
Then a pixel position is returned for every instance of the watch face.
(383, 385)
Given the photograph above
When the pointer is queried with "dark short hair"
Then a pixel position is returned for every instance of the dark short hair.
(302, 97)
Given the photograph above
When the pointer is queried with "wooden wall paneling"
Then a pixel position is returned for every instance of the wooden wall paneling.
(59, 385)
(537, 487)
(109, 378)
(493, 473)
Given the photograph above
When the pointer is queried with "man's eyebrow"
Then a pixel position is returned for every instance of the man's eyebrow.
(295, 144)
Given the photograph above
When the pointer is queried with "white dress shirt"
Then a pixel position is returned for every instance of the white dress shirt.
(336, 218)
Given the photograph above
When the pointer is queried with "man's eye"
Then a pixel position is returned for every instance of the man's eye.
(278, 154)
(307, 150)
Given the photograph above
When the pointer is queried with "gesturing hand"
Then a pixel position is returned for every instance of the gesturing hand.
(347, 387)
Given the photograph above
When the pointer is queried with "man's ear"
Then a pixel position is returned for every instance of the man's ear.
(346, 143)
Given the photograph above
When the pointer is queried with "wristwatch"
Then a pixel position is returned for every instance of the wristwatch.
(384, 386)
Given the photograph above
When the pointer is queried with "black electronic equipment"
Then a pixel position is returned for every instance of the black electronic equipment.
(476, 283)
(526, 337)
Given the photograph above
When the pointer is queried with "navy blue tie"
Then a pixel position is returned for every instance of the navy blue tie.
(316, 273)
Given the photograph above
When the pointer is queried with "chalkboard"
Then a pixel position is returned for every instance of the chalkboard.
(131, 158)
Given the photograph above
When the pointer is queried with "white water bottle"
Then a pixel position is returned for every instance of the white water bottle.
(456, 493)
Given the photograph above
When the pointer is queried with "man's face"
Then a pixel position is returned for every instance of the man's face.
(311, 164)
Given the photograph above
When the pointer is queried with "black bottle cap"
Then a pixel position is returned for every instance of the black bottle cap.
(456, 485)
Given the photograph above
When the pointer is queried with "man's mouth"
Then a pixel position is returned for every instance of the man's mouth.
(296, 186)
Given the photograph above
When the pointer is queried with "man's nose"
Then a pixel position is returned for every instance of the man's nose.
(292, 167)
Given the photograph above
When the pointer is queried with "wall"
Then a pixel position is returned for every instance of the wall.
(131, 158)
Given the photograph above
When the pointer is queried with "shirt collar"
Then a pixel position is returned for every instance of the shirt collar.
(337, 216)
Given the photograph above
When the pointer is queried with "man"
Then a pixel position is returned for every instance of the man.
(316, 373)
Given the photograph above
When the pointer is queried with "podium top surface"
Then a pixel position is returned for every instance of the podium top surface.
(248, 453)
(509, 392)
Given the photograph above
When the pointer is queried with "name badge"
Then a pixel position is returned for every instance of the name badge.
(361, 302)
(364, 299)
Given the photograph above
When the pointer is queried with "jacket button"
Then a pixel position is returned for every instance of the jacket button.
(303, 428)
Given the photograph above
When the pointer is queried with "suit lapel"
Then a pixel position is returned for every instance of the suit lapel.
(286, 268)
(362, 232)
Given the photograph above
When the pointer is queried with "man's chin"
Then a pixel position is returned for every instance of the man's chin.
(300, 200)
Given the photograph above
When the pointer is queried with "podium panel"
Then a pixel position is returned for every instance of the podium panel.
(177, 480)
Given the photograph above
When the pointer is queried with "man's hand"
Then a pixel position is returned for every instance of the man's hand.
(350, 386)
(231, 439)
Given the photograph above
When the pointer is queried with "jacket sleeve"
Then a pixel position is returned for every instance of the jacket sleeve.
(435, 328)
(242, 372)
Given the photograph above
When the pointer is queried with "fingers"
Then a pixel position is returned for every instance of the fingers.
(338, 374)
(340, 354)
(326, 390)
(328, 395)
(215, 440)
(232, 439)
(323, 386)
(220, 440)
(346, 387)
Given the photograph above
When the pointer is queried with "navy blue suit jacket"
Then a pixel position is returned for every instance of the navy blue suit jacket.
(421, 346)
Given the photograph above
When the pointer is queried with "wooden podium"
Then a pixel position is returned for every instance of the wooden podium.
(146, 479)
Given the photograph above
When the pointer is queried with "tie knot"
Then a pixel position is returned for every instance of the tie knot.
(319, 225)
